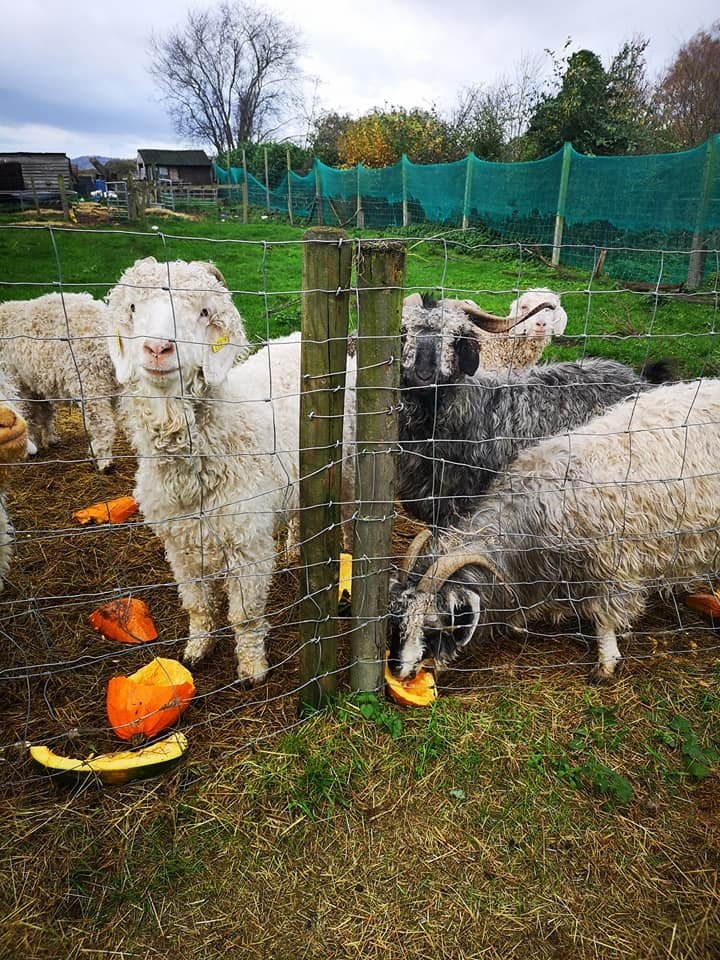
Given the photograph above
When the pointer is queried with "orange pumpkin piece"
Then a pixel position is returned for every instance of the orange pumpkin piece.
(150, 699)
(421, 691)
(707, 603)
(108, 511)
(126, 620)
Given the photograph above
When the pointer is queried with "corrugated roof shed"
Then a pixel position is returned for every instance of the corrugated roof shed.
(175, 158)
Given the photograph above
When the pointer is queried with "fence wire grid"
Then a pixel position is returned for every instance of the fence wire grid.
(55, 667)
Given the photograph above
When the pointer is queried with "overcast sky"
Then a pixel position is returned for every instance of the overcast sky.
(75, 79)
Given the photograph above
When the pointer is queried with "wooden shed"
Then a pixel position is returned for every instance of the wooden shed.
(178, 166)
(19, 171)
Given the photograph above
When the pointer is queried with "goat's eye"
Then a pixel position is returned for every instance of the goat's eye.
(204, 312)
(132, 308)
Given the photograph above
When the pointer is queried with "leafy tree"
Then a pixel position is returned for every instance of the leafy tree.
(325, 138)
(228, 74)
(600, 111)
(688, 95)
(300, 160)
(380, 138)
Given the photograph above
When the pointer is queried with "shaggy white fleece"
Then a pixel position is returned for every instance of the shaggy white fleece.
(217, 462)
(55, 349)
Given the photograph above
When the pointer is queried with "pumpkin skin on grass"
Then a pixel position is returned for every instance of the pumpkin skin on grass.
(113, 768)
(707, 603)
(421, 691)
(107, 511)
(150, 699)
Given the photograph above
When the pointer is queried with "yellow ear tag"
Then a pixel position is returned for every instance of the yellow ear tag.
(119, 341)
(220, 343)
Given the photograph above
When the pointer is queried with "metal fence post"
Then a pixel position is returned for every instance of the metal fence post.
(696, 265)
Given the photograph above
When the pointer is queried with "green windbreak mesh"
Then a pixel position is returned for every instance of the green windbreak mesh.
(660, 206)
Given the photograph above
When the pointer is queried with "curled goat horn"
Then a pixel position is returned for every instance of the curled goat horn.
(487, 321)
(407, 563)
(443, 568)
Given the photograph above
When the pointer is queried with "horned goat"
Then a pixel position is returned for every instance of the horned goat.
(55, 349)
(460, 425)
(217, 463)
(582, 526)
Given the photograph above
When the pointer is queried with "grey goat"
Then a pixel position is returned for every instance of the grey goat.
(461, 425)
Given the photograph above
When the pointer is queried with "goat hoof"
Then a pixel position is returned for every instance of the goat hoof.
(602, 673)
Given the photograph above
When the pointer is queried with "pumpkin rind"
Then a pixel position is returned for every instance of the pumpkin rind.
(421, 691)
(113, 768)
(345, 584)
(126, 620)
(150, 699)
(108, 511)
(707, 603)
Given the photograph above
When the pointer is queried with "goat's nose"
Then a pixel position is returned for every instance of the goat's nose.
(157, 349)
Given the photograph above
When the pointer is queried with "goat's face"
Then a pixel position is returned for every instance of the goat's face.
(429, 624)
(439, 344)
(550, 321)
(173, 321)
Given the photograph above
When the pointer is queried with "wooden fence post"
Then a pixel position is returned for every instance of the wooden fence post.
(696, 265)
(267, 183)
(403, 174)
(327, 262)
(63, 197)
(289, 187)
(380, 277)
(318, 193)
(34, 193)
(562, 198)
(359, 211)
(469, 160)
(245, 191)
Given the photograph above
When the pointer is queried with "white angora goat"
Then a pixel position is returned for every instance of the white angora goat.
(216, 462)
(55, 348)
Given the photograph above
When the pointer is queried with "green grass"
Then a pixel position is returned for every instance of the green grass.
(262, 263)
(540, 820)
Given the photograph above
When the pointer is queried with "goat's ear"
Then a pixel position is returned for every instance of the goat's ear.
(119, 350)
(219, 354)
(559, 321)
(468, 354)
(213, 271)
(464, 612)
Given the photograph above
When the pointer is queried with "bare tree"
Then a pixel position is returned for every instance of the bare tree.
(688, 95)
(228, 74)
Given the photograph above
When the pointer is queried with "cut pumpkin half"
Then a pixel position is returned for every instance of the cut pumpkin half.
(150, 699)
(113, 768)
(421, 691)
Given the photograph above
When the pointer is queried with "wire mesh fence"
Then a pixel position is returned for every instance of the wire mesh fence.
(234, 437)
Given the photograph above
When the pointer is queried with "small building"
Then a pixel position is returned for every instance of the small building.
(22, 171)
(191, 167)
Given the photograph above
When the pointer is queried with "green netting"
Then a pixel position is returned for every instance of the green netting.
(661, 205)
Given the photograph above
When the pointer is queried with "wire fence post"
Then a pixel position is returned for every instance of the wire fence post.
(698, 255)
(318, 192)
(359, 209)
(562, 199)
(381, 278)
(327, 261)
